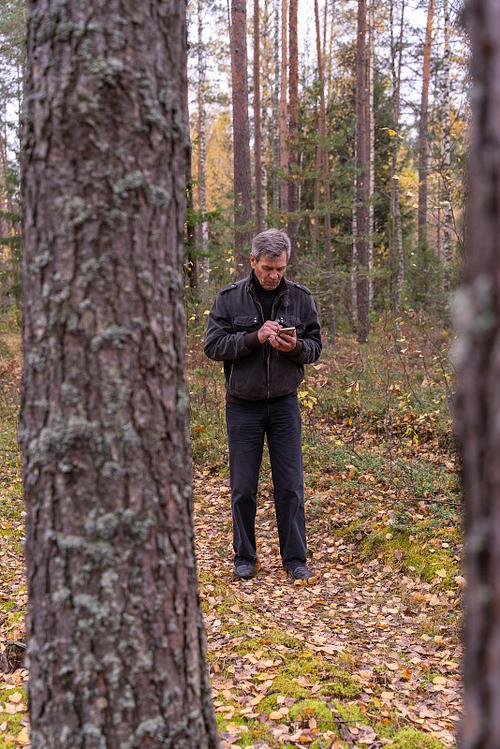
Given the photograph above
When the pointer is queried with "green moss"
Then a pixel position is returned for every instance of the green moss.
(13, 722)
(408, 738)
(303, 711)
(350, 713)
(412, 556)
(323, 744)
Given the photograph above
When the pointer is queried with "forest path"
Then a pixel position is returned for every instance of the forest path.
(394, 635)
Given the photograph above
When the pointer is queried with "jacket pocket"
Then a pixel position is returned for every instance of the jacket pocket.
(245, 322)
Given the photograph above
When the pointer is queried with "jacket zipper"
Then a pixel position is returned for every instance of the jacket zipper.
(267, 345)
(273, 312)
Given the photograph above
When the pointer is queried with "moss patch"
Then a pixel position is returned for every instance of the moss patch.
(303, 711)
(408, 738)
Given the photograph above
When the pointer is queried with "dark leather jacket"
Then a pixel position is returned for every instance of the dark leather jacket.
(254, 371)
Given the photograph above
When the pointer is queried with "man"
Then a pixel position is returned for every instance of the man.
(263, 369)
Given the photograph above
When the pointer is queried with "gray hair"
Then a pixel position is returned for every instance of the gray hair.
(272, 242)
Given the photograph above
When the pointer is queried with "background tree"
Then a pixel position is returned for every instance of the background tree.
(241, 136)
(362, 177)
(293, 113)
(395, 229)
(202, 226)
(283, 121)
(329, 314)
(259, 210)
(423, 143)
(115, 633)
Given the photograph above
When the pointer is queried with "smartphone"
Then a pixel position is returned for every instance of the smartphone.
(286, 330)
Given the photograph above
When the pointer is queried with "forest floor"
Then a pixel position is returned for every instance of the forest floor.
(367, 653)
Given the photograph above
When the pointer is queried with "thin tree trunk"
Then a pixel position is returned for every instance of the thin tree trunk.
(116, 645)
(330, 305)
(202, 141)
(362, 178)
(241, 136)
(317, 196)
(396, 230)
(446, 174)
(191, 254)
(371, 135)
(276, 115)
(259, 213)
(283, 126)
(354, 255)
(478, 412)
(293, 113)
(330, 50)
(423, 145)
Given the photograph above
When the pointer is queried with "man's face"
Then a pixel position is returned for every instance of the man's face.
(269, 270)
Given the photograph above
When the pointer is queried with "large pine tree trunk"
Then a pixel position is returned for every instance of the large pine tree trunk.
(241, 136)
(423, 141)
(293, 113)
(116, 653)
(362, 177)
(259, 211)
(328, 270)
(478, 318)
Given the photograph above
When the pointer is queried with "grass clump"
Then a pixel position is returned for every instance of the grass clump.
(409, 738)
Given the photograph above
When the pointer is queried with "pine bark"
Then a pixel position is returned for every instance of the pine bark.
(241, 135)
(293, 114)
(283, 126)
(423, 141)
(259, 211)
(328, 254)
(115, 635)
(362, 177)
(476, 356)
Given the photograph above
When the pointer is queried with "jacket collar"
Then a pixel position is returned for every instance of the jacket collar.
(283, 288)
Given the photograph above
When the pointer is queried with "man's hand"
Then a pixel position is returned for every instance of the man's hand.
(268, 331)
(284, 342)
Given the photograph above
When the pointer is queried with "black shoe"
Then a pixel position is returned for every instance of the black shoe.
(299, 572)
(244, 570)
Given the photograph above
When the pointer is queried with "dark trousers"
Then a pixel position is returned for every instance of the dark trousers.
(247, 424)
